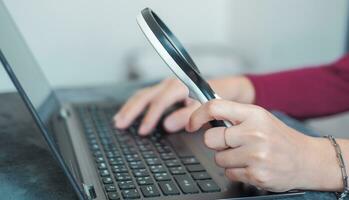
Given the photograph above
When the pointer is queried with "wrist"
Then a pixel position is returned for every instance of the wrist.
(319, 167)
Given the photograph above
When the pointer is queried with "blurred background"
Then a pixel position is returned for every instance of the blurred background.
(83, 43)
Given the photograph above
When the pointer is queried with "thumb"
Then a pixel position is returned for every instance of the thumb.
(179, 118)
(220, 110)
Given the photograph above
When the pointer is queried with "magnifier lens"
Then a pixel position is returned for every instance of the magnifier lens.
(176, 44)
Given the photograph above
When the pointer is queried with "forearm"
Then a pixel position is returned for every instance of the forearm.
(235, 88)
(321, 170)
(307, 92)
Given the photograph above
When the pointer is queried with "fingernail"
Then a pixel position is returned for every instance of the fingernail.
(143, 130)
(119, 122)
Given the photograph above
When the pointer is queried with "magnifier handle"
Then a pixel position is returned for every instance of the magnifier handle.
(220, 123)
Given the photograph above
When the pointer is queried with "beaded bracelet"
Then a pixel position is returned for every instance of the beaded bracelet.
(339, 155)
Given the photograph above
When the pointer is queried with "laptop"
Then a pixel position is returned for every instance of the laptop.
(102, 162)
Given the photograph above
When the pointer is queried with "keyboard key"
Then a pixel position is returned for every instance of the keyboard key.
(126, 185)
(119, 168)
(112, 155)
(110, 188)
(163, 149)
(186, 184)
(136, 165)
(97, 153)
(157, 168)
(167, 156)
(144, 180)
(153, 161)
(208, 186)
(150, 191)
(162, 176)
(144, 147)
(122, 177)
(149, 154)
(172, 163)
(132, 157)
(115, 159)
(168, 188)
(195, 168)
(140, 172)
(116, 162)
(113, 196)
(190, 161)
(104, 173)
(128, 151)
(177, 170)
(200, 175)
(130, 194)
(99, 159)
(95, 147)
(107, 180)
(102, 165)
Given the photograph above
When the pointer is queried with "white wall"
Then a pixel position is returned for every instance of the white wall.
(274, 34)
(84, 42)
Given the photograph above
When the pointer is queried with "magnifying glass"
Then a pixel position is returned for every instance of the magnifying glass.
(177, 59)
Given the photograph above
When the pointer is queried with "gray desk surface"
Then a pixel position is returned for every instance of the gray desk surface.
(27, 170)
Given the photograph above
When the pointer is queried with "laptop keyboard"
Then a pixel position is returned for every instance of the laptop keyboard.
(134, 167)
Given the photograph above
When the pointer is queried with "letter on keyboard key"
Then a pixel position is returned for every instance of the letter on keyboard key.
(153, 161)
(126, 185)
(150, 191)
(190, 160)
(107, 180)
(162, 176)
(104, 173)
(130, 194)
(200, 175)
(110, 188)
(157, 168)
(122, 177)
(208, 186)
(168, 188)
(172, 163)
(144, 180)
(140, 172)
(177, 170)
(186, 184)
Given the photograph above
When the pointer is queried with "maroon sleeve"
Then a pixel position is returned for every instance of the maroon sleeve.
(307, 92)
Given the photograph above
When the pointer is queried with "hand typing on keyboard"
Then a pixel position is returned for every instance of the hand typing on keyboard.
(158, 98)
(134, 167)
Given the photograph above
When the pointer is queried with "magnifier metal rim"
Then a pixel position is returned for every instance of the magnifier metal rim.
(176, 50)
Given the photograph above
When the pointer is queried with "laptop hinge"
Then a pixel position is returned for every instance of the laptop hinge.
(89, 191)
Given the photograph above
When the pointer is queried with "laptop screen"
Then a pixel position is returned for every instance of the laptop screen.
(31, 83)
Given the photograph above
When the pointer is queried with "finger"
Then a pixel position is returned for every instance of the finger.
(220, 138)
(179, 118)
(189, 101)
(134, 106)
(157, 108)
(220, 110)
(232, 158)
(214, 138)
(237, 174)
